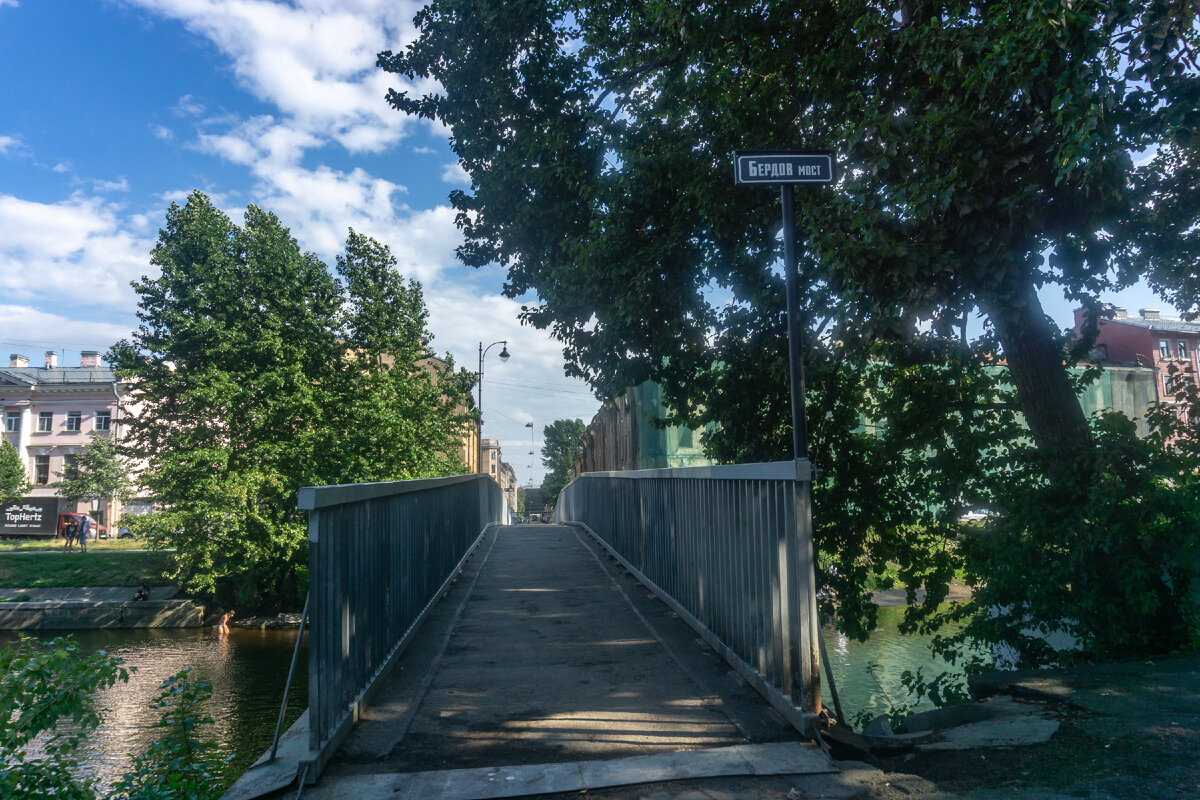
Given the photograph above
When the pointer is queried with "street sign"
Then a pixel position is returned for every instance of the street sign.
(30, 515)
(783, 166)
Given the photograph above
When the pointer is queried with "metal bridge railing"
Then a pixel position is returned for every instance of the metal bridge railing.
(380, 555)
(730, 550)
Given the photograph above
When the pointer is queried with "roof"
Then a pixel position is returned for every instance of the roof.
(59, 376)
(1172, 325)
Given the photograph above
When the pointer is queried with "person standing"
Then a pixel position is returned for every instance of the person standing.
(69, 532)
(85, 527)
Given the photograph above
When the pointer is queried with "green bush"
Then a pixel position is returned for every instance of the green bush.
(1109, 555)
(43, 684)
(179, 765)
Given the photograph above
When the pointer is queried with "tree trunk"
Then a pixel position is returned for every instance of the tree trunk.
(1035, 361)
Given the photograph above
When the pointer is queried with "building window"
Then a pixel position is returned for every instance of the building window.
(45, 421)
(12, 421)
(41, 470)
(1168, 386)
(103, 420)
(73, 420)
(685, 437)
(493, 469)
(1183, 350)
(1164, 349)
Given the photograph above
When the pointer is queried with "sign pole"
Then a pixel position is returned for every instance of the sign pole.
(795, 324)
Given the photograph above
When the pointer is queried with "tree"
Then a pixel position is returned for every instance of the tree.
(14, 481)
(405, 410)
(560, 448)
(250, 362)
(974, 138)
(99, 472)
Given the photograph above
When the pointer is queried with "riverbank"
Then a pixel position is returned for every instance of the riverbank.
(97, 608)
(1126, 730)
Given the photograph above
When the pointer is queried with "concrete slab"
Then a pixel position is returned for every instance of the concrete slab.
(265, 776)
(486, 783)
(1014, 731)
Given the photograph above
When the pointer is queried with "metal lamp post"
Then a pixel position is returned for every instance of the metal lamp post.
(504, 356)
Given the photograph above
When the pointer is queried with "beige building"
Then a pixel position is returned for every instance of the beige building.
(52, 413)
(493, 464)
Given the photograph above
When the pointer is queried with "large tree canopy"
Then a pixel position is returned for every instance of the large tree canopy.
(985, 150)
(257, 372)
(973, 139)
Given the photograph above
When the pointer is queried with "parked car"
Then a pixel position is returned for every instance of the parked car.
(125, 533)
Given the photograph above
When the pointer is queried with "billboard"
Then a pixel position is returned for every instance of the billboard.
(30, 516)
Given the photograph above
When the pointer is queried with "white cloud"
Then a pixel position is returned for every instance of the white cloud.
(162, 132)
(33, 331)
(454, 173)
(76, 252)
(424, 151)
(8, 142)
(111, 186)
(62, 167)
(8, 3)
(314, 60)
(187, 106)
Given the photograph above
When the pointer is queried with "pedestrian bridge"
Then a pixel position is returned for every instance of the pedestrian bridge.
(665, 629)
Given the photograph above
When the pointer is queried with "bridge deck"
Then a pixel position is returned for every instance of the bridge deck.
(546, 651)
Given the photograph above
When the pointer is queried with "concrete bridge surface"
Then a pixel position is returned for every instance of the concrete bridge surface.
(548, 668)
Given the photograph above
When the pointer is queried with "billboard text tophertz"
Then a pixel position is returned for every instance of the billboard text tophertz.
(30, 515)
(783, 166)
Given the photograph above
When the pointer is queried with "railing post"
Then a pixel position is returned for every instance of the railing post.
(806, 661)
(316, 576)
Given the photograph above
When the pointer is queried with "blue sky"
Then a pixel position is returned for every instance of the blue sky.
(111, 109)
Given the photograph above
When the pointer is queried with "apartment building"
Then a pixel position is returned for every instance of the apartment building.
(51, 414)
(1168, 346)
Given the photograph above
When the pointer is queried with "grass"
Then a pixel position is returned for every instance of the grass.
(93, 568)
(51, 543)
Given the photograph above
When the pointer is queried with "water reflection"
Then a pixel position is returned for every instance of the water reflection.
(893, 652)
(247, 669)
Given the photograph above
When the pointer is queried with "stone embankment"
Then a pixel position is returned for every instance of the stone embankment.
(97, 608)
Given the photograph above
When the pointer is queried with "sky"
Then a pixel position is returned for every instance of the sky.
(113, 109)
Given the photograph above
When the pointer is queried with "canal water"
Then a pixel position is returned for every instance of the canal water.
(248, 669)
(894, 653)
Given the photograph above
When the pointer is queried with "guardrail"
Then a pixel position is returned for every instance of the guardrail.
(380, 556)
(730, 550)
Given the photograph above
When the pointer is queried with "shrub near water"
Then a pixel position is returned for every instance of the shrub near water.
(44, 684)
(1110, 558)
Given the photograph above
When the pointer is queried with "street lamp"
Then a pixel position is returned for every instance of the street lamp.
(532, 445)
(503, 357)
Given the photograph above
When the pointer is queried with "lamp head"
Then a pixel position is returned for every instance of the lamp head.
(504, 352)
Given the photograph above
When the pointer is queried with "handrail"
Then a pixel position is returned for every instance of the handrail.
(380, 557)
(729, 548)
